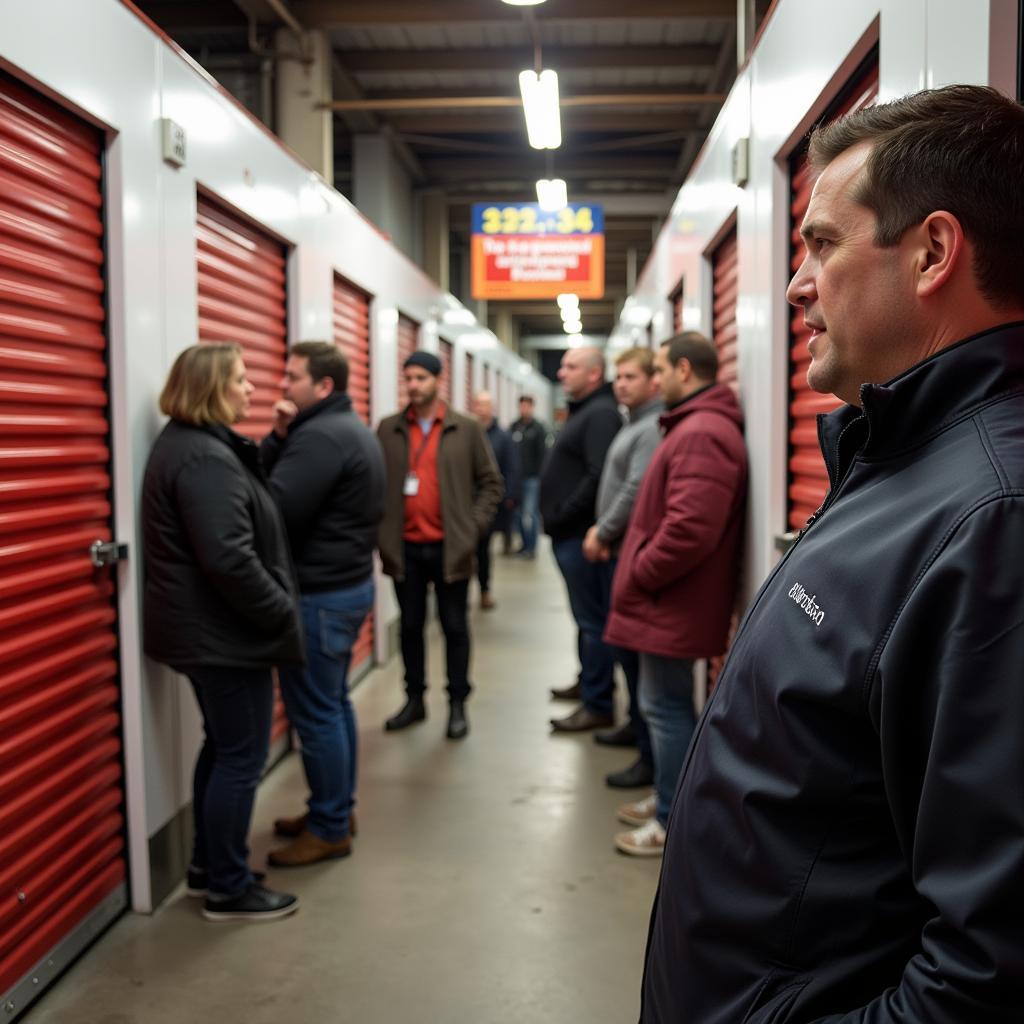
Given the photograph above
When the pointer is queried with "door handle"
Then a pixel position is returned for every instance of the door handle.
(107, 552)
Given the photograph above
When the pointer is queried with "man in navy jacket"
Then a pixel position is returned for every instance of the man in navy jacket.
(846, 844)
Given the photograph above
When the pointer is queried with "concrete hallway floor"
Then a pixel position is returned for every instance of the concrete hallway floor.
(483, 889)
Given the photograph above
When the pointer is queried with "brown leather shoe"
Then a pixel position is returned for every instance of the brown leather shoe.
(567, 692)
(307, 848)
(289, 828)
(581, 720)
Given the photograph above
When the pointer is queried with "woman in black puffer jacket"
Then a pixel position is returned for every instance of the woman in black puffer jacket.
(219, 607)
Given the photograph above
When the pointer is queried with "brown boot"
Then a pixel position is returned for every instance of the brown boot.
(292, 827)
(307, 848)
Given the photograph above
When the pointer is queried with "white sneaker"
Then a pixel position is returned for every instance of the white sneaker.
(639, 812)
(646, 841)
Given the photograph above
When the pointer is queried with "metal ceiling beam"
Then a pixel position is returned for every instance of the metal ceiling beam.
(515, 58)
(270, 12)
(500, 121)
(570, 166)
(610, 99)
(331, 13)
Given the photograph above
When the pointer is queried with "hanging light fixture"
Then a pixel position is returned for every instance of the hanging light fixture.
(522, 3)
(552, 194)
(540, 105)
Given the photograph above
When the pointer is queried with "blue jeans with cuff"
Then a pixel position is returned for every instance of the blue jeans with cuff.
(317, 701)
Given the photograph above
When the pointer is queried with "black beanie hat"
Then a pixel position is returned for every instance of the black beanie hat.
(426, 360)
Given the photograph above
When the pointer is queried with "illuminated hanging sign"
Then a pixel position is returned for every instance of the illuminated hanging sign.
(523, 252)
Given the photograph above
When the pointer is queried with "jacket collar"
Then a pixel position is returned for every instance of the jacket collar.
(408, 416)
(604, 390)
(247, 451)
(653, 407)
(718, 398)
(337, 401)
(924, 400)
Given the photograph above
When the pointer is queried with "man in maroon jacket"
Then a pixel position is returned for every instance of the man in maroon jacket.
(675, 584)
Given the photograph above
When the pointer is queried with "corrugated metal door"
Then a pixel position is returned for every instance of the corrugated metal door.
(445, 352)
(470, 364)
(352, 336)
(724, 289)
(807, 478)
(408, 333)
(62, 856)
(241, 278)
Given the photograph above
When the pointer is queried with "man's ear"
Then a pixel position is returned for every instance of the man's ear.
(940, 250)
(325, 386)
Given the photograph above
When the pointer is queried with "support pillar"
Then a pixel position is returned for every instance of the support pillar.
(435, 237)
(382, 190)
(300, 87)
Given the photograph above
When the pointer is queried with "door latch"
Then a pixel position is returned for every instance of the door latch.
(107, 552)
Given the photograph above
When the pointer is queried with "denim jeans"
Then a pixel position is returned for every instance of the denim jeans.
(237, 707)
(316, 699)
(666, 700)
(630, 664)
(528, 513)
(589, 587)
(424, 564)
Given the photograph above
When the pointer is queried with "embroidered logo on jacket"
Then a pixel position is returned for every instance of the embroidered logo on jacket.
(808, 602)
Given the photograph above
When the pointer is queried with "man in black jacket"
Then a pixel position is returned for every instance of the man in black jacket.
(568, 498)
(531, 440)
(846, 844)
(327, 475)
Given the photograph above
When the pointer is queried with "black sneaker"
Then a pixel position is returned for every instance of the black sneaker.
(255, 904)
(199, 881)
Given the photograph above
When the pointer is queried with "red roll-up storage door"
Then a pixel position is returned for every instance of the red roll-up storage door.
(241, 278)
(408, 335)
(445, 353)
(724, 289)
(62, 856)
(470, 362)
(352, 336)
(807, 478)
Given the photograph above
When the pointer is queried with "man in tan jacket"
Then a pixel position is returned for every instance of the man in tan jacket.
(443, 488)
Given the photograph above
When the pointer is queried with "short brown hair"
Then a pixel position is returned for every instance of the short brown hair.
(195, 388)
(323, 360)
(958, 149)
(697, 351)
(643, 357)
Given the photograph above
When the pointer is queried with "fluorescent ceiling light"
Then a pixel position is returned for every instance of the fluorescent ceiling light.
(552, 194)
(567, 299)
(572, 328)
(540, 104)
(522, 3)
(569, 313)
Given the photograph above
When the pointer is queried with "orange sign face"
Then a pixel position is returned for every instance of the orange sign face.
(522, 252)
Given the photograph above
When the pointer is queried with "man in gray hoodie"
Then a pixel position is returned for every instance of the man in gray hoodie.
(630, 452)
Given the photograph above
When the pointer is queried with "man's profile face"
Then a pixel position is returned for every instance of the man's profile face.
(856, 296)
(525, 410)
(667, 377)
(577, 374)
(632, 385)
(420, 384)
(298, 386)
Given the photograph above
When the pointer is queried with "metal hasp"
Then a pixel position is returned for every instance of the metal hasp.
(107, 552)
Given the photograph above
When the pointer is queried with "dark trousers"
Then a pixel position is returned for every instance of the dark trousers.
(589, 587)
(483, 561)
(630, 664)
(237, 706)
(424, 564)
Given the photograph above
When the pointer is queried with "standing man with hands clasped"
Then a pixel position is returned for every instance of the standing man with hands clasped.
(327, 476)
(443, 488)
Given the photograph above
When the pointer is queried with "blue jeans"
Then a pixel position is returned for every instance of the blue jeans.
(630, 664)
(666, 700)
(316, 699)
(528, 513)
(237, 707)
(589, 585)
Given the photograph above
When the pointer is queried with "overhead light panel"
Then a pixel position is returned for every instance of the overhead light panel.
(567, 299)
(552, 194)
(522, 3)
(540, 104)
(574, 327)
(569, 313)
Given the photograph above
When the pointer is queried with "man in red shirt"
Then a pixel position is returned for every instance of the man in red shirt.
(443, 488)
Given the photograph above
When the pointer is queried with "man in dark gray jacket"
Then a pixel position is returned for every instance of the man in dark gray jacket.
(327, 475)
(636, 390)
(846, 844)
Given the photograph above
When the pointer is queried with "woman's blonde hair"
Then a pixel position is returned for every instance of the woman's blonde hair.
(196, 386)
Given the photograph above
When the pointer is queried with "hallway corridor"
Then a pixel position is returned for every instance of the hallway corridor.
(483, 888)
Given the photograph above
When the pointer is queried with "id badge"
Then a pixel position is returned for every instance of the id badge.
(412, 485)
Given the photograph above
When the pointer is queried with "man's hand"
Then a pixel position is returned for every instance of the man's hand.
(595, 550)
(284, 413)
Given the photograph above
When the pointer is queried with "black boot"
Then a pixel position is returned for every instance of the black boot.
(638, 774)
(458, 724)
(412, 712)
